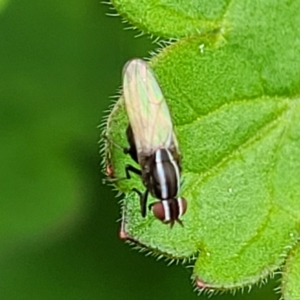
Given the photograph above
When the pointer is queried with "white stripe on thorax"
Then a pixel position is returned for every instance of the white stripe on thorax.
(161, 175)
(161, 172)
(176, 168)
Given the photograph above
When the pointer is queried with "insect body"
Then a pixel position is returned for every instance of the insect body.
(152, 142)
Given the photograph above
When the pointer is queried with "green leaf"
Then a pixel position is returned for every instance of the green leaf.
(291, 276)
(234, 98)
(172, 19)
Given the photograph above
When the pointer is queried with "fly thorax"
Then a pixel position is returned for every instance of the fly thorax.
(165, 175)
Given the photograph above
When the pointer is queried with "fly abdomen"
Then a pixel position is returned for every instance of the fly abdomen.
(165, 175)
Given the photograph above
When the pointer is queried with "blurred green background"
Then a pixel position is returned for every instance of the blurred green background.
(60, 63)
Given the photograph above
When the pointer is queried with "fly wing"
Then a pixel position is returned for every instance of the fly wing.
(147, 110)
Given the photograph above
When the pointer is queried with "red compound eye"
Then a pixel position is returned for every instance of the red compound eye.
(158, 211)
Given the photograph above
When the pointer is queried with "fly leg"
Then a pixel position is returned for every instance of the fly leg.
(143, 200)
(130, 168)
(131, 150)
(143, 196)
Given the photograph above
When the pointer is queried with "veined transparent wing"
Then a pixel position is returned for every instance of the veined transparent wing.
(147, 110)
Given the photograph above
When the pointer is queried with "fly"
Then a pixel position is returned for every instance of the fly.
(152, 143)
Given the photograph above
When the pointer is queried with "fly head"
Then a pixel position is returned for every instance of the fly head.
(169, 211)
